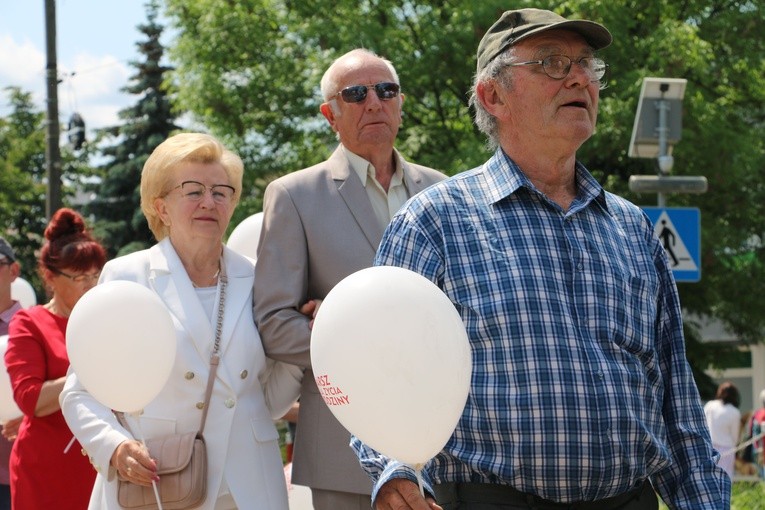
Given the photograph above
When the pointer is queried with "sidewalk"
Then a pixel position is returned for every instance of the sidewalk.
(299, 496)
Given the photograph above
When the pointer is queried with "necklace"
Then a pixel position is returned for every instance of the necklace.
(212, 280)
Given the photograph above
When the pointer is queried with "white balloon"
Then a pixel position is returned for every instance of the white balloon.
(23, 292)
(245, 237)
(121, 344)
(8, 408)
(392, 361)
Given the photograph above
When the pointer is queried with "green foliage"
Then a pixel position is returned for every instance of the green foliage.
(22, 191)
(250, 71)
(744, 496)
(23, 170)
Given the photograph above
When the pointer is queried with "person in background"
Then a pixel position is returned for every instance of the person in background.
(9, 271)
(190, 185)
(581, 395)
(47, 471)
(724, 422)
(756, 429)
(321, 224)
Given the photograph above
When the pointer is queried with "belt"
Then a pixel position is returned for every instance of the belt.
(488, 493)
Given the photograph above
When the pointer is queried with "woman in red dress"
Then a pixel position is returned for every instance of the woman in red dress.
(46, 470)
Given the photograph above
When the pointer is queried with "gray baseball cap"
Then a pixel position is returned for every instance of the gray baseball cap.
(514, 26)
(6, 250)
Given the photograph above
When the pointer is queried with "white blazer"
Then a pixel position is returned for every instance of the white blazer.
(250, 392)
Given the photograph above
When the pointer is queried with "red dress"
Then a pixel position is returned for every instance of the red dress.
(43, 477)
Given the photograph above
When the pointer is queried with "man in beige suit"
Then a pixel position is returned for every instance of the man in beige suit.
(321, 224)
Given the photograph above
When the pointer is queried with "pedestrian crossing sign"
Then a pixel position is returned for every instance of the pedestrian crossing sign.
(679, 229)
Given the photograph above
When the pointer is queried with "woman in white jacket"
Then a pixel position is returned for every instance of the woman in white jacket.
(189, 188)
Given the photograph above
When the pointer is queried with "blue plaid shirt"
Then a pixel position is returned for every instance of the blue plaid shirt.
(580, 387)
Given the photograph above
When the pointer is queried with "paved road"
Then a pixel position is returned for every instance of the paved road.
(299, 496)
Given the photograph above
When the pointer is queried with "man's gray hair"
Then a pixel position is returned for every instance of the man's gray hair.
(485, 121)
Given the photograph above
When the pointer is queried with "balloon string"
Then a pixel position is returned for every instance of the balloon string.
(143, 441)
(418, 473)
(71, 442)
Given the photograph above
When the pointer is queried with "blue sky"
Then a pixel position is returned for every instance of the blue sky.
(96, 39)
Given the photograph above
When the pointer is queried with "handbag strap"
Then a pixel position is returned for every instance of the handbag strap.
(215, 356)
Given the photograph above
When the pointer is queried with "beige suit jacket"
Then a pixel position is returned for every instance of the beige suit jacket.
(318, 228)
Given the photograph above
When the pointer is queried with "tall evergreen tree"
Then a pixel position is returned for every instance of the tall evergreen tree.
(119, 221)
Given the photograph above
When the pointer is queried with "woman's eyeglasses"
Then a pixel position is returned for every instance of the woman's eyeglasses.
(79, 278)
(385, 90)
(193, 191)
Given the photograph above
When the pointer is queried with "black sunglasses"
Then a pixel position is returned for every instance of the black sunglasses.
(385, 90)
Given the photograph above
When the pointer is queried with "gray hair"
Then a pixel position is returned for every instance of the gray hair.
(329, 82)
(496, 70)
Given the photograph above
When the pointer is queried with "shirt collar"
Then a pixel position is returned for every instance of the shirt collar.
(6, 315)
(364, 168)
(504, 177)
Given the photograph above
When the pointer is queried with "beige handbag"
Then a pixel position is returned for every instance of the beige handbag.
(181, 458)
(182, 469)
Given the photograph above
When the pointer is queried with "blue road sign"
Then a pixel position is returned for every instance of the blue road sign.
(679, 229)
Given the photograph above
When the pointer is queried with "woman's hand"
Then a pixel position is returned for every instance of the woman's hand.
(310, 308)
(132, 461)
(11, 428)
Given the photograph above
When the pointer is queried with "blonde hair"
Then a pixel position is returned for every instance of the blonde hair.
(157, 173)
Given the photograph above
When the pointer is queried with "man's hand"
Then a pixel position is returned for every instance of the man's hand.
(403, 494)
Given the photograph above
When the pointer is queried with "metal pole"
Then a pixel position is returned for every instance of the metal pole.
(52, 152)
(663, 132)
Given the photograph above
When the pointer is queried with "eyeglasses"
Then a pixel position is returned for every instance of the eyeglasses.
(193, 191)
(557, 67)
(79, 278)
(385, 90)
(6, 262)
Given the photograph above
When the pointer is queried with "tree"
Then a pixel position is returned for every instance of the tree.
(22, 181)
(250, 71)
(120, 224)
(22, 190)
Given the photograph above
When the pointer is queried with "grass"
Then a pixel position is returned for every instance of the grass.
(746, 496)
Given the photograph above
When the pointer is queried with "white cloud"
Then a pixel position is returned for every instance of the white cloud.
(22, 65)
(90, 85)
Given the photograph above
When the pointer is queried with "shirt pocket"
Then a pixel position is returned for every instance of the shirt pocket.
(634, 323)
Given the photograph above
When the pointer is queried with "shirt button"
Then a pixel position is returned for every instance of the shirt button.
(200, 405)
(229, 403)
(189, 375)
(243, 374)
